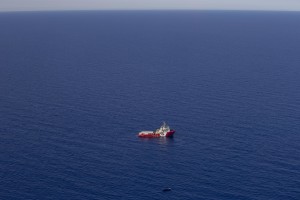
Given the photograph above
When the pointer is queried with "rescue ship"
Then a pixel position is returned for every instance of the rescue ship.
(163, 131)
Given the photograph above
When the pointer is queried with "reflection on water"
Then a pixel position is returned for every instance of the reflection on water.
(165, 140)
(159, 140)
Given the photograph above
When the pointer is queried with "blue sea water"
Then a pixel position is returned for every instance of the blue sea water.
(76, 88)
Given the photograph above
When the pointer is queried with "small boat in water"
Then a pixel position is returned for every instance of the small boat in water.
(166, 189)
(163, 131)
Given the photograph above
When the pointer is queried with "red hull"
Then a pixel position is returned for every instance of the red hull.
(170, 133)
(154, 135)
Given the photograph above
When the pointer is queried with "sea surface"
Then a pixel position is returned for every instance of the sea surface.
(77, 87)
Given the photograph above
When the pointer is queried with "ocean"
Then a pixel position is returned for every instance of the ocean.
(77, 87)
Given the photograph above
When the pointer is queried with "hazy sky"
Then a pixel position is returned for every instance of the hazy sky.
(15, 5)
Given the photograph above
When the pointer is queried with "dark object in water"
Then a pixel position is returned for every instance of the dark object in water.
(166, 189)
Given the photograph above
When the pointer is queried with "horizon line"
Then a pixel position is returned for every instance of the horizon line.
(156, 9)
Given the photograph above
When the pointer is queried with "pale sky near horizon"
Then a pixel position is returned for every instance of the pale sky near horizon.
(32, 5)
